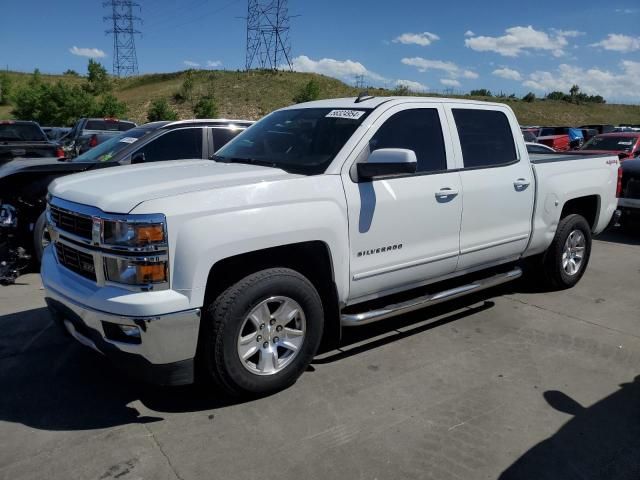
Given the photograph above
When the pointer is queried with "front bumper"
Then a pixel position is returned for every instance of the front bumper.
(158, 358)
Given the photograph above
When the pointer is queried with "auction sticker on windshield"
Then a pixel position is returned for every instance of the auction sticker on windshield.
(128, 140)
(353, 114)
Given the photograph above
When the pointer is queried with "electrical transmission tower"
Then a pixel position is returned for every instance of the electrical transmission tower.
(125, 61)
(268, 43)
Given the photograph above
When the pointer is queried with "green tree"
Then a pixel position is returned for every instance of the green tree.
(185, 94)
(308, 93)
(160, 110)
(98, 79)
(71, 73)
(482, 92)
(110, 106)
(575, 89)
(5, 88)
(529, 97)
(401, 91)
(53, 104)
(205, 108)
(556, 95)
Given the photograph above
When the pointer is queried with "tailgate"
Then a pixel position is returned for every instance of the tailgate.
(27, 150)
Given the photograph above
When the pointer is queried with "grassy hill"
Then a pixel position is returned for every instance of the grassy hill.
(255, 93)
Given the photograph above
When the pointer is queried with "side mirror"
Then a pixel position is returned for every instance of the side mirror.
(138, 157)
(386, 162)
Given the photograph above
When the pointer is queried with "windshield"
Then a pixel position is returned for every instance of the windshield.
(21, 132)
(106, 151)
(302, 140)
(108, 125)
(617, 143)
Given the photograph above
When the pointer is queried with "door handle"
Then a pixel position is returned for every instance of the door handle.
(445, 193)
(521, 184)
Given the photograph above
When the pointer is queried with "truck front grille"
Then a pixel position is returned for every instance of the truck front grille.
(73, 223)
(76, 261)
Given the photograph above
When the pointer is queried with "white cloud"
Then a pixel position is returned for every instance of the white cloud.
(423, 39)
(342, 69)
(469, 33)
(214, 63)
(626, 11)
(190, 63)
(623, 84)
(411, 85)
(619, 43)
(519, 40)
(567, 33)
(508, 73)
(87, 52)
(453, 70)
(449, 82)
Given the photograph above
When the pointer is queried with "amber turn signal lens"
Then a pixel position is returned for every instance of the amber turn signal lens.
(151, 273)
(149, 234)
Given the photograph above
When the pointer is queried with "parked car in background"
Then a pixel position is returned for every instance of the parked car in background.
(319, 217)
(629, 193)
(539, 148)
(624, 144)
(56, 133)
(23, 184)
(559, 143)
(588, 133)
(529, 136)
(600, 127)
(23, 139)
(90, 132)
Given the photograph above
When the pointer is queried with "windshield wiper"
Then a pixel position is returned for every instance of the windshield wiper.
(249, 161)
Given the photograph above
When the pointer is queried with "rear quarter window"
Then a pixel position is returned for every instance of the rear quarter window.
(485, 137)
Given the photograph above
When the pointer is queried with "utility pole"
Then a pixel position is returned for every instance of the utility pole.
(125, 60)
(268, 42)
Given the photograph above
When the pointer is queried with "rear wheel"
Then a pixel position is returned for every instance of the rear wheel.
(261, 333)
(567, 257)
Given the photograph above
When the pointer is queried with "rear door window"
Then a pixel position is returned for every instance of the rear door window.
(221, 136)
(417, 129)
(485, 137)
(185, 143)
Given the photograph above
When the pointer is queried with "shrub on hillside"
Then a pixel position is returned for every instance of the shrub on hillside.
(205, 108)
(482, 92)
(98, 81)
(160, 110)
(5, 89)
(529, 97)
(308, 93)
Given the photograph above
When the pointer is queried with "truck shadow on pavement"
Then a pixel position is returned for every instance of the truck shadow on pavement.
(50, 382)
(599, 442)
(617, 235)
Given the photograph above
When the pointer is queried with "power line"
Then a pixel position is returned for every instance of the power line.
(125, 60)
(268, 42)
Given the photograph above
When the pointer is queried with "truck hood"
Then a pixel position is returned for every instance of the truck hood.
(40, 165)
(120, 189)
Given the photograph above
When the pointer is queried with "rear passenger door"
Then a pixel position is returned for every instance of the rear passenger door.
(222, 135)
(183, 143)
(497, 181)
(404, 230)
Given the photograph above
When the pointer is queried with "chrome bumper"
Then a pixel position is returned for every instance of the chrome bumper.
(164, 353)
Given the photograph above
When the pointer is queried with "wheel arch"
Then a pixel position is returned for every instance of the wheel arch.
(313, 259)
(587, 206)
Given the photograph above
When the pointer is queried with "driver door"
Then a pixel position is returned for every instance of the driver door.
(404, 230)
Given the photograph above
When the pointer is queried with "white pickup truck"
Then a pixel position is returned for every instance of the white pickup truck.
(323, 215)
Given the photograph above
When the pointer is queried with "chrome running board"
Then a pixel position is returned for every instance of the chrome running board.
(356, 319)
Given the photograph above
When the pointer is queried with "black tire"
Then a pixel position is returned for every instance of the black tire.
(554, 274)
(38, 231)
(223, 319)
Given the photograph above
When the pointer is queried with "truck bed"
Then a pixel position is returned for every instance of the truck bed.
(564, 156)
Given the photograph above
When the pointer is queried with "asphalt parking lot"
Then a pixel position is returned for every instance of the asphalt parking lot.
(514, 384)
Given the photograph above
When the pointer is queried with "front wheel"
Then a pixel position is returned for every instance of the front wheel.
(261, 333)
(41, 238)
(566, 259)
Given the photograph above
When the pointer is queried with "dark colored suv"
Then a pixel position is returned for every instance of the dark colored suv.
(23, 184)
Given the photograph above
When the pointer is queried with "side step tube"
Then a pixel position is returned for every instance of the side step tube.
(356, 319)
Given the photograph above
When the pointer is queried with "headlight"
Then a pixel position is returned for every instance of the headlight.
(135, 272)
(133, 234)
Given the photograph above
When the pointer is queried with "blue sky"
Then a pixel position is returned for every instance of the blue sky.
(510, 47)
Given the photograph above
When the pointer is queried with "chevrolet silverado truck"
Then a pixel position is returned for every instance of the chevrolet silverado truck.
(321, 216)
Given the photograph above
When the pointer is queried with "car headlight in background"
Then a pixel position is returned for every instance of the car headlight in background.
(129, 271)
(128, 234)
